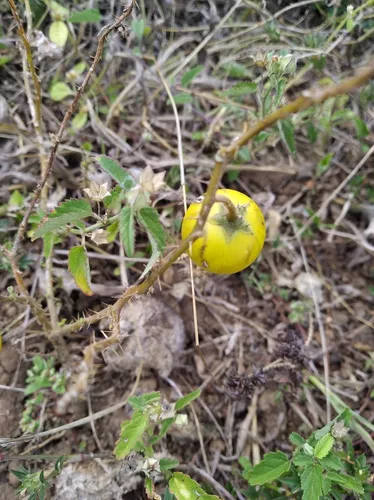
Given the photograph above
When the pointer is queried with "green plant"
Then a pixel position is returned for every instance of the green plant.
(149, 423)
(36, 484)
(42, 379)
(323, 466)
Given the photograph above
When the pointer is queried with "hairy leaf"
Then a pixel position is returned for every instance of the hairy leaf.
(141, 402)
(296, 439)
(240, 89)
(127, 230)
(286, 131)
(149, 219)
(186, 400)
(311, 482)
(80, 269)
(131, 433)
(272, 466)
(117, 173)
(68, 212)
(168, 463)
(186, 488)
(346, 482)
(324, 446)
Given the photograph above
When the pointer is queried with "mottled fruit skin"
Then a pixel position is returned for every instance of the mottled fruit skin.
(226, 248)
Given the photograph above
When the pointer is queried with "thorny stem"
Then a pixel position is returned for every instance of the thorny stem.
(100, 46)
(224, 155)
(232, 214)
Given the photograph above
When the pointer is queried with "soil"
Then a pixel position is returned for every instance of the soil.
(246, 321)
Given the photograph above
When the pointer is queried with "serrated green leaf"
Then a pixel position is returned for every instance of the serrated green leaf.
(186, 400)
(80, 269)
(142, 401)
(127, 230)
(168, 463)
(286, 130)
(131, 432)
(346, 482)
(149, 219)
(59, 90)
(68, 212)
(311, 482)
(188, 77)
(184, 487)
(324, 164)
(324, 445)
(326, 485)
(117, 173)
(301, 460)
(272, 466)
(181, 98)
(240, 89)
(296, 439)
(331, 461)
(85, 16)
(58, 33)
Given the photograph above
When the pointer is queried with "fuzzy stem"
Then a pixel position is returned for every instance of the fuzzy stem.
(232, 214)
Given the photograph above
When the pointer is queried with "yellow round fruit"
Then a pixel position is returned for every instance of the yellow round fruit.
(226, 247)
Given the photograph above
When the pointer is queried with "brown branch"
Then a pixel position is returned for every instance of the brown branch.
(80, 91)
(224, 155)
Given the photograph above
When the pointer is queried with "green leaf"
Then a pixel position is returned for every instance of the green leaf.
(186, 400)
(296, 439)
(190, 75)
(85, 16)
(153, 259)
(301, 460)
(59, 90)
(127, 230)
(48, 243)
(149, 219)
(236, 70)
(346, 482)
(37, 384)
(117, 173)
(58, 11)
(331, 461)
(79, 120)
(168, 495)
(181, 98)
(168, 463)
(326, 485)
(240, 89)
(141, 402)
(131, 432)
(138, 26)
(312, 132)
(324, 164)
(58, 33)
(165, 425)
(272, 466)
(362, 130)
(68, 212)
(286, 131)
(184, 487)
(311, 482)
(80, 269)
(324, 446)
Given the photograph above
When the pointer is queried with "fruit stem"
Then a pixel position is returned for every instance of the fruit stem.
(232, 214)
